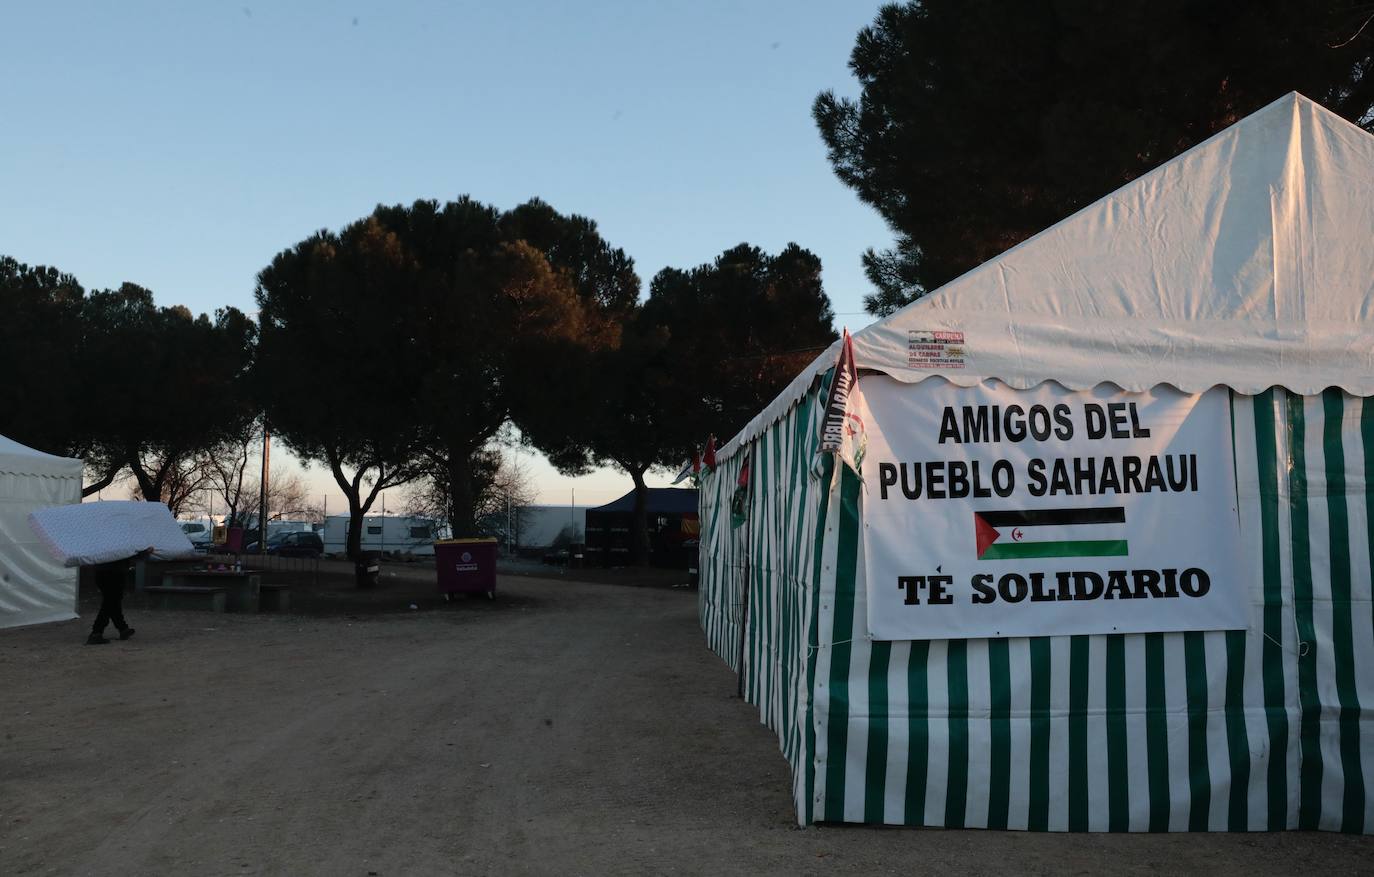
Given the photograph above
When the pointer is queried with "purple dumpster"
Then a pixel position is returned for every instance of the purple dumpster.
(466, 566)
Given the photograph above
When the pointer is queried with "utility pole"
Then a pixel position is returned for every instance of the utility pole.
(262, 488)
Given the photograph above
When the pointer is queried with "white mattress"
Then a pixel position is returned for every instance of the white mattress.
(99, 532)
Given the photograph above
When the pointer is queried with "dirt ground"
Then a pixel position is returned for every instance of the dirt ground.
(563, 728)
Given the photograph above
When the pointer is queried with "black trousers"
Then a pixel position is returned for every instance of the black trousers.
(111, 605)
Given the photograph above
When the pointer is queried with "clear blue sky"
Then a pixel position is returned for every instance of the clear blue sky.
(181, 145)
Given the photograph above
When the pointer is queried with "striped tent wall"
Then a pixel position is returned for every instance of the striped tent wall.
(772, 556)
(1258, 729)
(721, 565)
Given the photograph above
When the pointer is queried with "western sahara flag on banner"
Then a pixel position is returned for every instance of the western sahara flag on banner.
(1012, 534)
(844, 430)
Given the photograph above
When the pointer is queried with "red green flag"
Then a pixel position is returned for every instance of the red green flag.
(1034, 533)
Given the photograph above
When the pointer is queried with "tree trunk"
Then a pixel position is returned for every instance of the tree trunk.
(149, 484)
(355, 527)
(352, 489)
(461, 500)
(639, 525)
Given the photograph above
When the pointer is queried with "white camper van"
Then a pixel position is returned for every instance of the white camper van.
(199, 531)
(393, 534)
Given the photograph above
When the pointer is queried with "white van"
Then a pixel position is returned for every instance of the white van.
(199, 532)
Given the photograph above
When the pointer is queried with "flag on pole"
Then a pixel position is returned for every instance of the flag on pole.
(689, 470)
(843, 429)
(708, 457)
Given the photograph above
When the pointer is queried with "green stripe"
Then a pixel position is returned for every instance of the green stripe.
(841, 649)
(999, 721)
(1199, 778)
(1342, 622)
(1039, 817)
(1235, 470)
(766, 532)
(756, 549)
(761, 530)
(1064, 548)
(956, 790)
(1237, 737)
(1309, 739)
(794, 586)
(789, 592)
(1367, 443)
(875, 783)
(1272, 656)
(1078, 733)
(918, 732)
(747, 574)
(813, 643)
(1118, 780)
(1156, 732)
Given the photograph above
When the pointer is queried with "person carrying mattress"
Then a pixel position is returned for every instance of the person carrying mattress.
(111, 579)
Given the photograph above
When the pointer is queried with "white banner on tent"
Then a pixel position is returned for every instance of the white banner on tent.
(993, 512)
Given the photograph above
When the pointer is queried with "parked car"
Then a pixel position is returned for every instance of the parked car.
(198, 533)
(291, 545)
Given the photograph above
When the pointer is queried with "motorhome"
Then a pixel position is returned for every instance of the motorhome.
(390, 534)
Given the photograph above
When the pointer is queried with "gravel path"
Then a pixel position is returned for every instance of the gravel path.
(564, 729)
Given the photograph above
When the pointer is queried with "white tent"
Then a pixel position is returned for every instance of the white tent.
(1238, 263)
(1244, 264)
(34, 587)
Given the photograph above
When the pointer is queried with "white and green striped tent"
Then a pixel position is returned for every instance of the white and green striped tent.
(1246, 262)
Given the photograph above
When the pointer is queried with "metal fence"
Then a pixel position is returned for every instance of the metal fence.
(285, 570)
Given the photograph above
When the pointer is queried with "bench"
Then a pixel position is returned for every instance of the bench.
(186, 597)
(274, 598)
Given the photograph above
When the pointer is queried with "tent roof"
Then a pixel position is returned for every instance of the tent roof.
(20, 459)
(661, 500)
(1245, 261)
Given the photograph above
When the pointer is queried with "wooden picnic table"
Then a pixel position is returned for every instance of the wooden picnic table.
(242, 587)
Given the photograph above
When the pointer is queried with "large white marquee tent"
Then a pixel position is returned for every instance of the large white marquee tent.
(1246, 263)
(34, 586)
